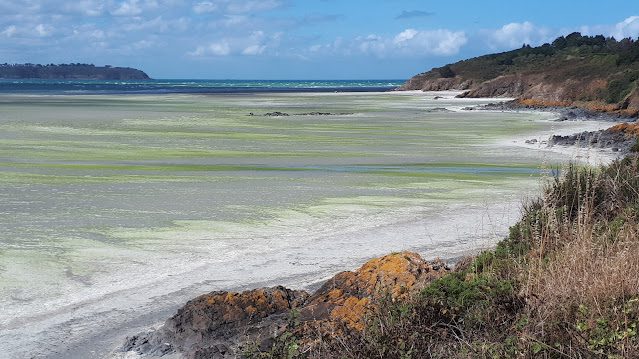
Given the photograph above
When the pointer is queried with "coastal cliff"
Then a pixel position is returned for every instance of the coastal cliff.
(70, 72)
(591, 72)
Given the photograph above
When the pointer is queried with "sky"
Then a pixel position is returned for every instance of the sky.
(292, 39)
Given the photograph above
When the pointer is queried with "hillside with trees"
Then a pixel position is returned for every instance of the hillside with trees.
(70, 72)
(594, 72)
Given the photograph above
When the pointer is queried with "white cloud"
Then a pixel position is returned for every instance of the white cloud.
(204, 7)
(405, 36)
(255, 43)
(252, 6)
(408, 43)
(97, 34)
(221, 48)
(338, 46)
(370, 44)
(43, 30)
(627, 28)
(232, 21)
(86, 7)
(235, 6)
(127, 8)
(435, 42)
(254, 50)
(516, 34)
(143, 44)
(157, 24)
(9, 31)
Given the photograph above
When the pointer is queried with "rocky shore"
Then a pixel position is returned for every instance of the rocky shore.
(590, 72)
(620, 138)
(562, 284)
(227, 324)
(566, 113)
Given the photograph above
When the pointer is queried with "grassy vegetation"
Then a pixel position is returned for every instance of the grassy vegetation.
(574, 53)
(564, 284)
(605, 70)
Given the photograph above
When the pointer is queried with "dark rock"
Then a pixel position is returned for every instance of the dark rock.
(324, 114)
(317, 114)
(276, 114)
(214, 324)
(437, 109)
(218, 324)
(618, 141)
(565, 113)
(345, 297)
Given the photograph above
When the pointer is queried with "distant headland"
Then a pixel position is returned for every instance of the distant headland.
(70, 72)
(592, 72)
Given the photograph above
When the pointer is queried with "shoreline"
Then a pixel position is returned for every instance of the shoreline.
(599, 157)
(327, 272)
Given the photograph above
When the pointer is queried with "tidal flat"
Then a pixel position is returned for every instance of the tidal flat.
(116, 209)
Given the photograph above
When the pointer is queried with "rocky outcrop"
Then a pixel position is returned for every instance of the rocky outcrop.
(426, 82)
(218, 324)
(535, 91)
(345, 297)
(316, 113)
(632, 101)
(214, 324)
(628, 129)
(620, 138)
(596, 73)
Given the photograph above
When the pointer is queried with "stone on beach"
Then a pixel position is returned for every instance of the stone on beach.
(216, 325)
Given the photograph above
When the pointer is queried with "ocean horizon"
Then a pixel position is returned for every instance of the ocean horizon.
(190, 86)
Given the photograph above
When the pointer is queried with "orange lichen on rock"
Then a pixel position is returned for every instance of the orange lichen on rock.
(629, 108)
(214, 323)
(346, 297)
(232, 307)
(629, 129)
(352, 312)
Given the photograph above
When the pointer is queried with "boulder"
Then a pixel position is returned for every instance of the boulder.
(218, 324)
(215, 324)
(346, 297)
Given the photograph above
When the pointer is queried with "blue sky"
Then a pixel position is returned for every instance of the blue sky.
(292, 39)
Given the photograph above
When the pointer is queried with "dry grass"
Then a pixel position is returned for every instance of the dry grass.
(583, 266)
(590, 268)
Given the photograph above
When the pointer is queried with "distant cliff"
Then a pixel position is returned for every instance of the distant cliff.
(70, 72)
(592, 72)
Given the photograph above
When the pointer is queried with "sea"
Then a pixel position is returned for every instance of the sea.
(120, 201)
(39, 86)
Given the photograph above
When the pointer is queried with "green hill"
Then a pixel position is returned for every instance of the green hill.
(70, 72)
(593, 72)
